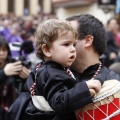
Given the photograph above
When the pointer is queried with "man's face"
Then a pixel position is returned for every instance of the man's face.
(80, 55)
(79, 50)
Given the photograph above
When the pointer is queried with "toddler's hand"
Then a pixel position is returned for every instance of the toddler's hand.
(92, 92)
(94, 84)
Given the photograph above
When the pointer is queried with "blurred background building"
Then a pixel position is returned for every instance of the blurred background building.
(18, 7)
(102, 9)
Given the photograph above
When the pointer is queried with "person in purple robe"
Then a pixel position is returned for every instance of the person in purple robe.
(15, 41)
(5, 31)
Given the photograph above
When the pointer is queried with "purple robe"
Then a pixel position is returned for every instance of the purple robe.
(5, 32)
(13, 39)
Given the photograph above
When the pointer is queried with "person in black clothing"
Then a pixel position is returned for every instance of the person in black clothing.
(55, 84)
(90, 46)
(111, 53)
(8, 73)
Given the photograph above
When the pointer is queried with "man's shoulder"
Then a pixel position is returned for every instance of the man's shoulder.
(114, 75)
(109, 74)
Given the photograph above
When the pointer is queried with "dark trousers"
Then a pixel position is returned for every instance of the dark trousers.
(2, 113)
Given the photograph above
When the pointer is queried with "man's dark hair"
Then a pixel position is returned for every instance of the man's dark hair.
(89, 25)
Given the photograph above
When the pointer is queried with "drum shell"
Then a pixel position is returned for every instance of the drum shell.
(98, 115)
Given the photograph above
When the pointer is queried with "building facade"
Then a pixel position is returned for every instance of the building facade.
(62, 8)
(18, 7)
(103, 11)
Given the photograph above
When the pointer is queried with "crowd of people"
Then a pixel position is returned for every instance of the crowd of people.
(17, 56)
(73, 60)
(113, 41)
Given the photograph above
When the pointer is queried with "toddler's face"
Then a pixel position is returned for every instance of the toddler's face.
(63, 49)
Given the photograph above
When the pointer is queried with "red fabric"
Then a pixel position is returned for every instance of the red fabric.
(117, 38)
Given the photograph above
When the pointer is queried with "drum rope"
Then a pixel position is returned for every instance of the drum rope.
(106, 114)
(113, 103)
(82, 118)
(100, 110)
(114, 113)
(88, 114)
(77, 115)
(107, 110)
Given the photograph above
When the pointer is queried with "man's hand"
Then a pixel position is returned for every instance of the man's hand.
(13, 68)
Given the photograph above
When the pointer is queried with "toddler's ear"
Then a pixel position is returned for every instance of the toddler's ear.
(46, 50)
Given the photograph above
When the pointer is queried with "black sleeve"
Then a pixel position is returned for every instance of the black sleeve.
(61, 98)
(72, 99)
(29, 82)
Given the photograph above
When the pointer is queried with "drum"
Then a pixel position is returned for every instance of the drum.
(105, 106)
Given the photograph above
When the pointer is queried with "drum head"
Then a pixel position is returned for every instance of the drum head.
(109, 88)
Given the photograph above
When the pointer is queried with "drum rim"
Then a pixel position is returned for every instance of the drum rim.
(109, 93)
